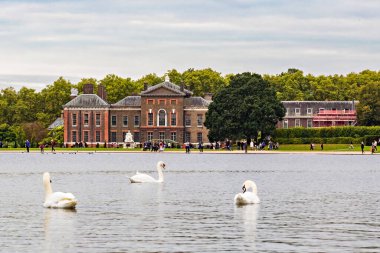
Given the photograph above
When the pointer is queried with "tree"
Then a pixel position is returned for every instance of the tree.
(243, 109)
(203, 81)
(150, 79)
(53, 97)
(118, 88)
(368, 109)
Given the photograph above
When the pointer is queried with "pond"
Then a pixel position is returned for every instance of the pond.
(309, 203)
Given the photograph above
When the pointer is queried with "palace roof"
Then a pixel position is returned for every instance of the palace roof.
(87, 100)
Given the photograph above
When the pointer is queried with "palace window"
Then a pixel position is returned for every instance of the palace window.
(173, 102)
(113, 136)
(150, 119)
(199, 137)
(309, 123)
(297, 111)
(173, 136)
(199, 120)
(136, 136)
(309, 111)
(137, 120)
(162, 136)
(150, 101)
(97, 136)
(113, 120)
(125, 121)
(74, 119)
(150, 136)
(187, 120)
(85, 136)
(285, 123)
(187, 137)
(85, 121)
(161, 118)
(173, 119)
(297, 123)
(161, 101)
(97, 119)
(74, 136)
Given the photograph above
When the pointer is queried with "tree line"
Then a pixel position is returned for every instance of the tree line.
(26, 113)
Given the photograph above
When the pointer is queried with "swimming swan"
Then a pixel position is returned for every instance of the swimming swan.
(57, 199)
(247, 197)
(144, 178)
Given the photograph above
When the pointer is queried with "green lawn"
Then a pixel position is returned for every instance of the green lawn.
(283, 147)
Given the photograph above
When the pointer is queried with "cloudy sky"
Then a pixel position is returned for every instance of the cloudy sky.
(41, 40)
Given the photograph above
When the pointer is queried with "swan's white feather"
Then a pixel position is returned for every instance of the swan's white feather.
(246, 198)
(249, 195)
(57, 199)
(142, 178)
(60, 200)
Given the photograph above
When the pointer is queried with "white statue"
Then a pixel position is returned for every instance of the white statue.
(128, 137)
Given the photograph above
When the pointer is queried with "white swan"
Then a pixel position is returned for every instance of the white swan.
(144, 178)
(247, 197)
(57, 199)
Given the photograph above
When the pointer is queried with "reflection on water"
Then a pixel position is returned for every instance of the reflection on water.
(59, 228)
(309, 203)
(247, 215)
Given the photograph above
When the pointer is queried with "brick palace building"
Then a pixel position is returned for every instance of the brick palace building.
(161, 112)
(167, 111)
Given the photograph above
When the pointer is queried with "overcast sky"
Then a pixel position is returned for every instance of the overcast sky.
(41, 40)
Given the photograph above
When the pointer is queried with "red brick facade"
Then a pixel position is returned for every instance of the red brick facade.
(159, 113)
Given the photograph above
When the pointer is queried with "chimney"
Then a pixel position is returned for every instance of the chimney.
(74, 93)
(88, 88)
(145, 85)
(208, 96)
(102, 92)
(182, 86)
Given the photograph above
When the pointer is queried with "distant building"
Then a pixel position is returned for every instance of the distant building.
(161, 112)
(318, 114)
(168, 112)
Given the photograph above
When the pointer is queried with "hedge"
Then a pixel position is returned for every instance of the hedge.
(333, 135)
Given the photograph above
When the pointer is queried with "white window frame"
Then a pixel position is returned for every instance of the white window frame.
(309, 111)
(309, 123)
(285, 124)
(297, 122)
(297, 111)
(165, 117)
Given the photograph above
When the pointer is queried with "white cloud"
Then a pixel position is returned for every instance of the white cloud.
(133, 38)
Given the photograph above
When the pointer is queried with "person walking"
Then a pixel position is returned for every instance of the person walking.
(200, 147)
(322, 146)
(52, 145)
(42, 146)
(362, 147)
(27, 145)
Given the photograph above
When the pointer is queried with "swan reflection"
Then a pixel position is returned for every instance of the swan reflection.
(59, 228)
(247, 216)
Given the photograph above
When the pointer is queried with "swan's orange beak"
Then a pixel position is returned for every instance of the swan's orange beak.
(244, 189)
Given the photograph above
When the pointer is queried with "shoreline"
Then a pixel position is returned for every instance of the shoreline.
(263, 152)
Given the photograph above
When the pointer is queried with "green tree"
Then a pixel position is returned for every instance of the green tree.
(79, 86)
(368, 109)
(203, 81)
(150, 79)
(243, 109)
(118, 88)
(52, 99)
(8, 99)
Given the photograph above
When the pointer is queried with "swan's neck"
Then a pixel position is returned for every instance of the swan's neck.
(48, 188)
(254, 188)
(160, 175)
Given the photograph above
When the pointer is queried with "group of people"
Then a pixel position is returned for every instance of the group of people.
(42, 146)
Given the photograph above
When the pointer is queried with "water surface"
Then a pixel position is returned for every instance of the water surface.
(310, 203)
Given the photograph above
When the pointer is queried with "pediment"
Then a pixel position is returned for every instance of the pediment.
(163, 91)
